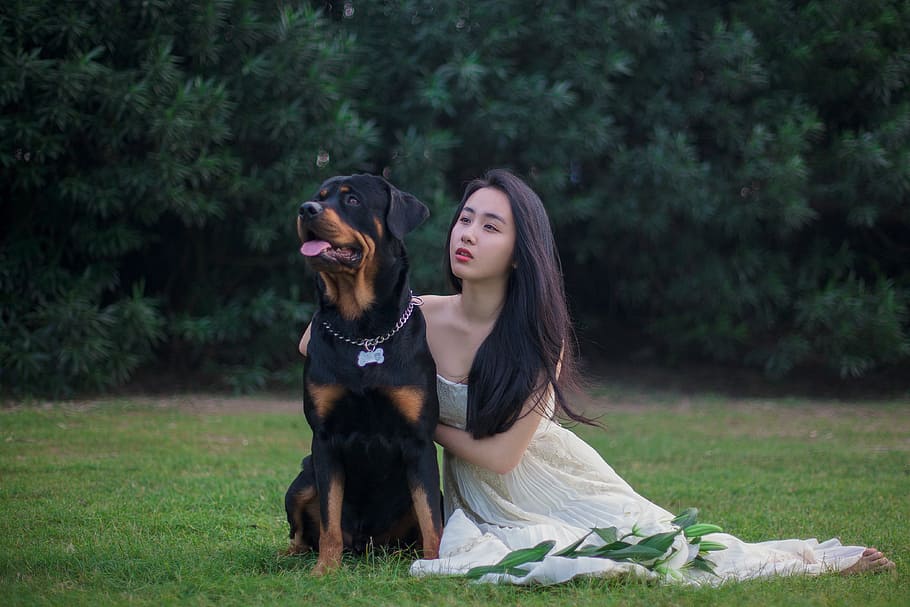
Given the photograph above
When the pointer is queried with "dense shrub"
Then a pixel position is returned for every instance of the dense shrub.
(729, 180)
(155, 155)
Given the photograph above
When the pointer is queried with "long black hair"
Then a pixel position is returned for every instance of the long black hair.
(533, 334)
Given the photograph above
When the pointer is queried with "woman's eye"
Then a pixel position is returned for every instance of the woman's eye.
(465, 220)
(490, 227)
(353, 201)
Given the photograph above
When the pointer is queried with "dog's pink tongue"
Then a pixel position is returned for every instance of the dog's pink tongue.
(312, 248)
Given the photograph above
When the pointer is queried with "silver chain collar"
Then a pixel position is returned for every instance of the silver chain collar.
(370, 344)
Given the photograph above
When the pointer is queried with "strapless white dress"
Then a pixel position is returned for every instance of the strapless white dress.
(561, 489)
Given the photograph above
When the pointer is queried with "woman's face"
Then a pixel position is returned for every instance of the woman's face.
(482, 245)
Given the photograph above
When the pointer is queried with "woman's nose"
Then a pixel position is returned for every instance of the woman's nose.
(467, 235)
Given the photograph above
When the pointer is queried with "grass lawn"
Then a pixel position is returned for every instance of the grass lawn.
(135, 501)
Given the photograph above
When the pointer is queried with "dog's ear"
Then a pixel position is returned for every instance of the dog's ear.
(405, 212)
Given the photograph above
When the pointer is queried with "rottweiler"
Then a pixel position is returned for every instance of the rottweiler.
(371, 478)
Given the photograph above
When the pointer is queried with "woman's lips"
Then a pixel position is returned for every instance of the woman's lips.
(463, 255)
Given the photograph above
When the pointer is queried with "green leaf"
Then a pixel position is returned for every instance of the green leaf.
(608, 534)
(700, 529)
(635, 552)
(569, 551)
(509, 563)
(703, 564)
(527, 555)
(478, 572)
(598, 550)
(687, 517)
(659, 541)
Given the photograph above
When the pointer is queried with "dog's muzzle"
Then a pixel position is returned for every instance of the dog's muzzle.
(309, 210)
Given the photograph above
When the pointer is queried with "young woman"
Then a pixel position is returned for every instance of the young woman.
(503, 346)
(513, 477)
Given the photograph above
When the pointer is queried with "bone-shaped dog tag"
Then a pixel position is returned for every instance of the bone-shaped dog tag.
(376, 357)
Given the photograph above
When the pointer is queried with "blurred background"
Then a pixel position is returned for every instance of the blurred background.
(729, 182)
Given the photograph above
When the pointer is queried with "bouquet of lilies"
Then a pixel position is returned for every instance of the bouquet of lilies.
(652, 551)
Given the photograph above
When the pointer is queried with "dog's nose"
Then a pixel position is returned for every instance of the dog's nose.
(310, 209)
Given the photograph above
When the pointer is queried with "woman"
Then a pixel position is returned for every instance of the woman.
(503, 347)
(512, 477)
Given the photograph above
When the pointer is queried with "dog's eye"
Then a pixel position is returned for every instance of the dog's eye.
(353, 201)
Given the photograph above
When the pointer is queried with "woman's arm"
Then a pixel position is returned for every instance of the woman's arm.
(500, 452)
(305, 340)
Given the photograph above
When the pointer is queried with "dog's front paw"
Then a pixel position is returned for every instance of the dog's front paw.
(326, 565)
(297, 548)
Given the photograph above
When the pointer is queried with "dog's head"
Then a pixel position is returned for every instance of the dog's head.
(347, 230)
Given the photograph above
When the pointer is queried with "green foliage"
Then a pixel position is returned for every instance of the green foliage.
(721, 224)
(715, 169)
(155, 157)
(509, 564)
(730, 180)
(646, 551)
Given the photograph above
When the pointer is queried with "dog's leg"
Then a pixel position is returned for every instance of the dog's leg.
(424, 485)
(423, 470)
(302, 506)
(330, 484)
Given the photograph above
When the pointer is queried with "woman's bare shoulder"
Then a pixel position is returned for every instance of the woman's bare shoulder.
(434, 302)
(434, 306)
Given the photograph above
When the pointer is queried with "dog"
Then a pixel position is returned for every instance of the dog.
(372, 477)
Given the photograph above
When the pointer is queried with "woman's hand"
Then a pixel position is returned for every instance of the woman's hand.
(305, 340)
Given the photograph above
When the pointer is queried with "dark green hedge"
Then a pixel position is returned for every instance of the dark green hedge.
(730, 182)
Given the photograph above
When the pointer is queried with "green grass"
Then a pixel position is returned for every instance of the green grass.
(122, 502)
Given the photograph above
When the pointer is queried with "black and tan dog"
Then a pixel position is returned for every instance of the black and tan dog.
(369, 381)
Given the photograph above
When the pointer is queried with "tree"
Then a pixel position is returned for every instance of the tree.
(707, 165)
(160, 151)
(728, 180)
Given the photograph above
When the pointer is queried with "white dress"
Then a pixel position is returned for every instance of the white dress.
(561, 489)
